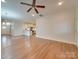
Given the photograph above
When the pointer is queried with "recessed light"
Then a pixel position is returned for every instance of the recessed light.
(7, 23)
(3, 1)
(3, 23)
(60, 3)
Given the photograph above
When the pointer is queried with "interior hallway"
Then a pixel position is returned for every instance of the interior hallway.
(22, 47)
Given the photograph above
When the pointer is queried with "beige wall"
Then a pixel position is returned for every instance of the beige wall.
(59, 27)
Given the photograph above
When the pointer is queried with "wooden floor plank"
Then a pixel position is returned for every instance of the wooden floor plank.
(23, 47)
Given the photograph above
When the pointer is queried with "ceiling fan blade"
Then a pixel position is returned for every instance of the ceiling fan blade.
(34, 2)
(29, 9)
(36, 10)
(25, 4)
(40, 6)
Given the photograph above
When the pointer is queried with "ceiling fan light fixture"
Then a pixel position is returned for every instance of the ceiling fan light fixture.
(34, 6)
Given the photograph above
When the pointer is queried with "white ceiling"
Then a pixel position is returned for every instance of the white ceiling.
(16, 11)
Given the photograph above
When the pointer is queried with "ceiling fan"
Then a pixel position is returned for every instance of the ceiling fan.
(33, 5)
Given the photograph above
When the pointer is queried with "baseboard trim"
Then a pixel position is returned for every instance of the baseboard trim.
(50, 38)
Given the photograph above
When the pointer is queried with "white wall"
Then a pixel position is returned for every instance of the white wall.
(17, 29)
(5, 31)
(59, 27)
(5, 28)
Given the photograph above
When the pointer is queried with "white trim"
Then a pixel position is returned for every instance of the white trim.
(55, 39)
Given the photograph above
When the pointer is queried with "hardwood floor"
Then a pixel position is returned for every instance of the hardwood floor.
(22, 47)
